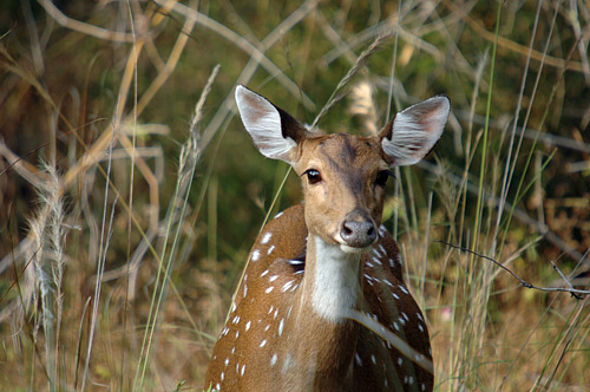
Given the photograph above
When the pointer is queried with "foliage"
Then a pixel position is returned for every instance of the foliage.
(151, 259)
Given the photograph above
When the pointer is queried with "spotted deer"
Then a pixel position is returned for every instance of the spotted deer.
(288, 327)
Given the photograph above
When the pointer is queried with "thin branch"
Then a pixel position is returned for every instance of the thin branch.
(523, 282)
(243, 44)
(81, 27)
(565, 279)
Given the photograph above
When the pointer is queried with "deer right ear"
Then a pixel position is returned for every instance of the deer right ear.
(275, 133)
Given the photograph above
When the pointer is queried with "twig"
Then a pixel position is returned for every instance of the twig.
(81, 27)
(243, 44)
(565, 279)
(523, 282)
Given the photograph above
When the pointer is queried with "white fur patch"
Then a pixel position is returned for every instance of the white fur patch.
(416, 130)
(336, 286)
(286, 364)
(263, 122)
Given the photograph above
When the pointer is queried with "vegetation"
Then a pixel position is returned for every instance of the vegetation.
(130, 193)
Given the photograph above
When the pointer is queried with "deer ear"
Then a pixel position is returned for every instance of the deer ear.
(414, 131)
(275, 133)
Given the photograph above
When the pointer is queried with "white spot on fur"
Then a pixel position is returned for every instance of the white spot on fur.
(391, 263)
(272, 247)
(269, 289)
(255, 255)
(286, 364)
(273, 359)
(287, 286)
(281, 326)
(358, 359)
(248, 326)
(265, 238)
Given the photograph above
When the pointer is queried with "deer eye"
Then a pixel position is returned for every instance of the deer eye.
(313, 176)
(381, 178)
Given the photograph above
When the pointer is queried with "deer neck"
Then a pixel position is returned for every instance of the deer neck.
(331, 283)
(326, 338)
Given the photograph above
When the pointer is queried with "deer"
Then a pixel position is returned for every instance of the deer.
(288, 327)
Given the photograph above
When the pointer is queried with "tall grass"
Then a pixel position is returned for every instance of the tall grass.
(142, 217)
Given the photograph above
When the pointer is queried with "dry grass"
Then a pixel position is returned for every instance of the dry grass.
(141, 218)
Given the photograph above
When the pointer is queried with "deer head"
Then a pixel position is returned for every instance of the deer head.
(344, 176)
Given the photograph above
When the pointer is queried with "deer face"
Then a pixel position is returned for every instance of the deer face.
(343, 176)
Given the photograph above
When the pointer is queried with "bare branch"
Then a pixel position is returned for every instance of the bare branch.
(523, 282)
(84, 28)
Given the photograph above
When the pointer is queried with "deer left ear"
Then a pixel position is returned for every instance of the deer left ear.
(413, 132)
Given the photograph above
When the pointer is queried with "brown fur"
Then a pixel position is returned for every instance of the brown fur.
(289, 238)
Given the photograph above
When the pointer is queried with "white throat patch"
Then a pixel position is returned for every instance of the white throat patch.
(336, 285)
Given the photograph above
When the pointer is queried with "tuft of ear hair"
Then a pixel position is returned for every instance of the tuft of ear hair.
(274, 132)
(414, 131)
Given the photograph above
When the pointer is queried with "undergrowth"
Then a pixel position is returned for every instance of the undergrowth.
(130, 193)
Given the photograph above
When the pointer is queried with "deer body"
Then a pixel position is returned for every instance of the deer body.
(289, 328)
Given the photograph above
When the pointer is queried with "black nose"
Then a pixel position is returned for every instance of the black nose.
(358, 229)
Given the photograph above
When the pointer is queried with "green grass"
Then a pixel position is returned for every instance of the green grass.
(126, 286)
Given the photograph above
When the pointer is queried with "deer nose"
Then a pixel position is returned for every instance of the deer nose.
(358, 229)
